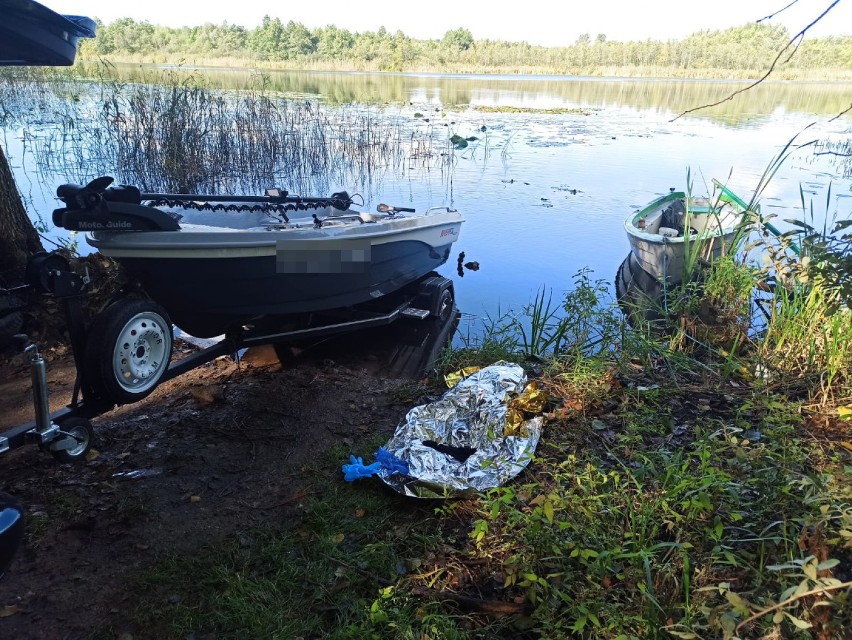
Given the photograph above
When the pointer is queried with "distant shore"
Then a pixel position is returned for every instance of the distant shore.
(351, 66)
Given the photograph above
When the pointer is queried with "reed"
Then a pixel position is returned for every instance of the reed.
(805, 344)
(841, 151)
(172, 133)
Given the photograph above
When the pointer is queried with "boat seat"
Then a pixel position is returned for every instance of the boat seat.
(652, 222)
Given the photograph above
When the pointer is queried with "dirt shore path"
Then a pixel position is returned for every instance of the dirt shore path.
(216, 452)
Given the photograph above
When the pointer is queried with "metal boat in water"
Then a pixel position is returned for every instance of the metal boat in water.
(667, 239)
(216, 262)
(662, 233)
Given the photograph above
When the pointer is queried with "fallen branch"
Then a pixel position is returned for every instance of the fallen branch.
(487, 607)
(780, 605)
(833, 153)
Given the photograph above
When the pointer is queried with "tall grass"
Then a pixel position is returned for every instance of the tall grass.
(803, 341)
(584, 322)
(808, 341)
(800, 279)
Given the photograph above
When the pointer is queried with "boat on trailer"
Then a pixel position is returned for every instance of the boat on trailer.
(217, 262)
(256, 269)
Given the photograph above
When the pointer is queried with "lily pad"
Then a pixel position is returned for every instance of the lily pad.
(458, 142)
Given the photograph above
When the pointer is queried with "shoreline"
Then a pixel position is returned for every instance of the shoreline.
(792, 75)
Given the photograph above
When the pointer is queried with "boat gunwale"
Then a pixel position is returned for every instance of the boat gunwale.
(271, 240)
(655, 238)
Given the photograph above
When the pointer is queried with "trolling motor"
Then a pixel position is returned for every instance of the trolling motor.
(93, 207)
(97, 206)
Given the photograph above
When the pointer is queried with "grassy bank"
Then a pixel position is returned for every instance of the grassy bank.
(685, 486)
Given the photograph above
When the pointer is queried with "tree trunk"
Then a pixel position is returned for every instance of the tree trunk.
(18, 237)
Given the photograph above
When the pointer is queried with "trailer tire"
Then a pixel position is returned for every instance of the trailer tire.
(446, 301)
(128, 348)
(81, 430)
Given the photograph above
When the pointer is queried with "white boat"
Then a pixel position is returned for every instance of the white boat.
(217, 262)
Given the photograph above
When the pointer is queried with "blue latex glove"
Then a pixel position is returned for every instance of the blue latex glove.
(357, 469)
(390, 462)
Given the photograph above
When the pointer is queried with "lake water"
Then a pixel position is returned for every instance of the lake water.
(546, 194)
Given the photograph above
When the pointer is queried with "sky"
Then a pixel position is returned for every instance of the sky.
(541, 22)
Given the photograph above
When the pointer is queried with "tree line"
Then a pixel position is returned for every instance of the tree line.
(750, 47)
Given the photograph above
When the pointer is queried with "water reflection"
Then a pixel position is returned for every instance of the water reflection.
(640, 295)
(542, 92)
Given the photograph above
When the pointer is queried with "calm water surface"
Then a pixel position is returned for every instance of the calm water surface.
(546, 194)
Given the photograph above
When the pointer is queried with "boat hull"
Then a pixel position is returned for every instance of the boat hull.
(213, 279)
(207, 296)
(675, 229)
(667, 260)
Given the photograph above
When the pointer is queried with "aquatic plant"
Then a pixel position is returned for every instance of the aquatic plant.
(808, 341)
(172, 133)
(585, 321)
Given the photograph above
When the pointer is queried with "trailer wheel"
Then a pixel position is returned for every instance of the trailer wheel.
(80, 432)
(445, 304)
(128, 348)
(40, 270)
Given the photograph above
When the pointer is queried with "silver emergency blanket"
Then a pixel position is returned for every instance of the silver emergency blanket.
(470, 417)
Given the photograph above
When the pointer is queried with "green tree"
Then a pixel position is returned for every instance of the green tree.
(750, 47)
(266, 39)
(458, 39)
(334, 43)
(297, 40)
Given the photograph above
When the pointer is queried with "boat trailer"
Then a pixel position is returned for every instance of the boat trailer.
(68, 434)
